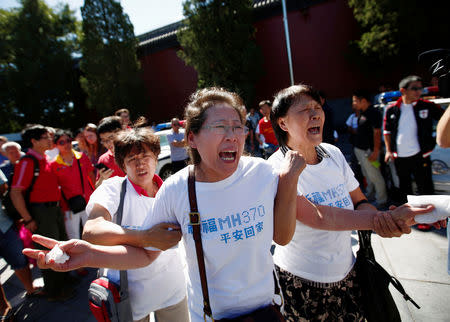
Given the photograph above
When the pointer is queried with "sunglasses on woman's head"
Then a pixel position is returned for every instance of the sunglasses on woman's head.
(62, 142)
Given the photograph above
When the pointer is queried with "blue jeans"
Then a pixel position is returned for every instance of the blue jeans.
(11, 249)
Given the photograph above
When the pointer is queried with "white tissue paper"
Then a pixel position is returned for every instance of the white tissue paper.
(441, 204)
(57, 255)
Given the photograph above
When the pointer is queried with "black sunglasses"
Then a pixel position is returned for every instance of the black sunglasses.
(62, 142)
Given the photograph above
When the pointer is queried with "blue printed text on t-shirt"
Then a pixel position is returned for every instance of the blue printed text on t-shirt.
(234, 227)
(336, 196)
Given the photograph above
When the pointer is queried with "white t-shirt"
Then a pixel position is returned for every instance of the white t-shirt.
(52, 154)
(320, 255)
(158, 285)
(407, 141)
(237, 230)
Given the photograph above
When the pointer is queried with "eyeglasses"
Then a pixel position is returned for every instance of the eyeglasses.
(223, 129)
(416, 88)
(63, 142)
(107, 140)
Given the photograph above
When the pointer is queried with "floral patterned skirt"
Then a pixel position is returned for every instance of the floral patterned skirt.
(306, 301)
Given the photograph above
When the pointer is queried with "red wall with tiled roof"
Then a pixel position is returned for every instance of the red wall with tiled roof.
(319, 37)
(169, 82)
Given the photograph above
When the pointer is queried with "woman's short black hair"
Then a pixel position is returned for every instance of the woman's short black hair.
(61, 132)
(33, 131)
(284, 99)
(135, 140)
(109, 124)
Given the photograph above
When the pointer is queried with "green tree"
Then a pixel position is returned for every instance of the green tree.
(36, 66)
(219, 42)
(394, 32)
(112, 77)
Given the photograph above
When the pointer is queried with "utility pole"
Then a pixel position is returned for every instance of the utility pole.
(288, 42)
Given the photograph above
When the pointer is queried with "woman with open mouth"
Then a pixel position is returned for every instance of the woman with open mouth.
(316, 268)
(243, 204)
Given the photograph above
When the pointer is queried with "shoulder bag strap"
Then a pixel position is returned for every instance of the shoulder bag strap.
(81, 174)
(119, 215)
(36, 171)
(194, 219)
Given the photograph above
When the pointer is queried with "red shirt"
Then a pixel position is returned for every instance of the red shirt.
(141, 191)
(107, 159)
(69, 175)
(45, 187)
(265, 128)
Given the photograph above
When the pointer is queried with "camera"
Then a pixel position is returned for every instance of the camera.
(438, 61)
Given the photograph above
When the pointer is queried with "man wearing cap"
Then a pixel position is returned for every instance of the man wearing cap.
(408, 129)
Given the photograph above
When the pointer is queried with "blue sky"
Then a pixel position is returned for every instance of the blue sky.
(145, 15)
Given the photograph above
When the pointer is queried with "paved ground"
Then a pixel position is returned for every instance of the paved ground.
(418, 260)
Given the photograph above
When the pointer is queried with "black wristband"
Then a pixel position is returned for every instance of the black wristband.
(360, 203)
(28, 221)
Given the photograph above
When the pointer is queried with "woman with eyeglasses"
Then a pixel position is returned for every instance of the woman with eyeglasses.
(76, 178)
(243, 205)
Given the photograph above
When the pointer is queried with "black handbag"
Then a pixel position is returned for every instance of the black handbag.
(377, 300)
(78, 203)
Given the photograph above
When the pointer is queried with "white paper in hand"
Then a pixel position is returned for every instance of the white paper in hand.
(441, 204)
(57, 255)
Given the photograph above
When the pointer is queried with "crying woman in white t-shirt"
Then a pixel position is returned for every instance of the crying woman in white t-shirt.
(243, 204)
(316, 268)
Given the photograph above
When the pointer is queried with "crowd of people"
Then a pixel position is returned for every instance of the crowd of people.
(244, 204)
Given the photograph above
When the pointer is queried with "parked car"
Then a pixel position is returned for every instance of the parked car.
(167, 125)
(440, 166)
(164, 166)
(163, 126)
(16, 137)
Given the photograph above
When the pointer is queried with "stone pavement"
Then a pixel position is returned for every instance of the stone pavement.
(418, 260)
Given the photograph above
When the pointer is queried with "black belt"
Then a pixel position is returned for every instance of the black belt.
(45, 204)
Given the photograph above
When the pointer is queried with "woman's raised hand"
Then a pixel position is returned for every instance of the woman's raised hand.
(294, 163)
(78, 250)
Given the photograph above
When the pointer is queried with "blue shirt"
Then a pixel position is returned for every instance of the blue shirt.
(176, 153)
(7, 168)
(5, 221)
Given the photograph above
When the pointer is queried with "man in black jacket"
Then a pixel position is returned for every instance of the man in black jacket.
(408, 127)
